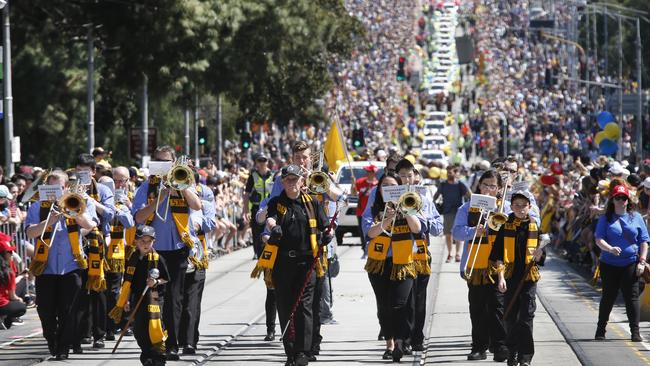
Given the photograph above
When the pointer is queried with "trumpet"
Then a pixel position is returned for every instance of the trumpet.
(409, 203)
(179, 177)
(483, 218)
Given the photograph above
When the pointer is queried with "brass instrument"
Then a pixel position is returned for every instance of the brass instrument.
(409, 203)
(483, 218)
(318, 182)
(497, 219)
(179, 177)
(71, 204)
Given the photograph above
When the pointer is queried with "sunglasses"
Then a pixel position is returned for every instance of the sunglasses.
(620, 198)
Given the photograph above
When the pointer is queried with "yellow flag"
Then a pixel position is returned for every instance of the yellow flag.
(333, 148)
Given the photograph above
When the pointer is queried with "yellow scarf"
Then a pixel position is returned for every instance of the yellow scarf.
(43, 247)
(116, 250)
(125, 291)
(96, 281)
(481, 274)
(509, 238)
(401, 244)
(179, 209)
(421, 256)
(321, 263)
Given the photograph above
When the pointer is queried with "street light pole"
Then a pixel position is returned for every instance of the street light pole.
(145, 120)
(187, 131)
(90, 82)
(8, 98)
(219, 134)
(639, 106)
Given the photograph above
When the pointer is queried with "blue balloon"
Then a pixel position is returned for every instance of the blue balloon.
(604, 118)
(608, 147)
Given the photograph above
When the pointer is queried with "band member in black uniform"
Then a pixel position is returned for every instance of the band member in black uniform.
(294, 219)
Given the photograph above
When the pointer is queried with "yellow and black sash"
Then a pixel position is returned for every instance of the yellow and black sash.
(179, 209)
(421, 256)
(203, 262)
(401, 244)
(43, 247)
(509, 246)
(266, 261)
(321, 263)
(116, 253)
(96, 280)
(481, 272)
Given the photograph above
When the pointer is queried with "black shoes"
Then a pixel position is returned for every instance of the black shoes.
(51, 346)
(77, 350)
(172, 355)
(524, 363)
(98, 343)
(189, 350)
(270, 336)
(417, 348)
(408, 350)
(476, 355)
(398, 352)
(62, 356)
(512, 361)
(110, 336)
(381, 337)
(311, 357)
(388, 354)
(302, 359)
(86, 340)
(600, 334)
(501, 354)
(636, 336)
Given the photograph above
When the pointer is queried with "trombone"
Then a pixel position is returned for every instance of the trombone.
(409, 203)
(71, 205)
(484, 215)
(179, 177)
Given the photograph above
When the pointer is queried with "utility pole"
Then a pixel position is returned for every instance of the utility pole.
(145, 120)
(196, 128)
(620, 91)
(219, 134)
(588, 53)
(639, 90)
(187, 132)
(606, 41)
(8, 98)
(90, 88)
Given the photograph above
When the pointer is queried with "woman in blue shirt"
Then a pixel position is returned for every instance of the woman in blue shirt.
(623, 237)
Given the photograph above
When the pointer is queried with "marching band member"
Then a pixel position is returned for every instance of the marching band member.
(175, 238)
(485, 302)
(204, 222)
(391, 268)
(58, 264)
(514, 248)
(294, 219)
(119, 244)
(92, 306)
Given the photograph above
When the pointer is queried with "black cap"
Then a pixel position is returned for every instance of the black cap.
(291, 170)
(260, 156)
(145, 230)
(404, 164)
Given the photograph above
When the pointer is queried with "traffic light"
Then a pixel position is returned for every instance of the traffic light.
(246, 140)
(357, 138)
(401, 76)
(203, 135)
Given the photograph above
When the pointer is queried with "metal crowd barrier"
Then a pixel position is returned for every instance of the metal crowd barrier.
(21, 241)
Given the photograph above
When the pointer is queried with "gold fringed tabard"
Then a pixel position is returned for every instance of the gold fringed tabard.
(377, 250)
(265, 264)
(96, 281)
(510, 232)
(402, 247)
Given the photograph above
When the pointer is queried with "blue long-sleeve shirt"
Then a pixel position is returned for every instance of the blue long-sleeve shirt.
(60, 260)
(124, 216)
(167, 237)
(107, 199)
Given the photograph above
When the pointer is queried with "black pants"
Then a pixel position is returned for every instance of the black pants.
(419, 294)
(392, 297)
(271, 310)
(91, 313)
(289, 275)
(624, 279)
(486, 313)
(56, 297)
(256, 230)
(113, 286)
(12, 310)
(318, 294)
(519, 325)
(176, 261)
(191, 315)
(141, 334)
